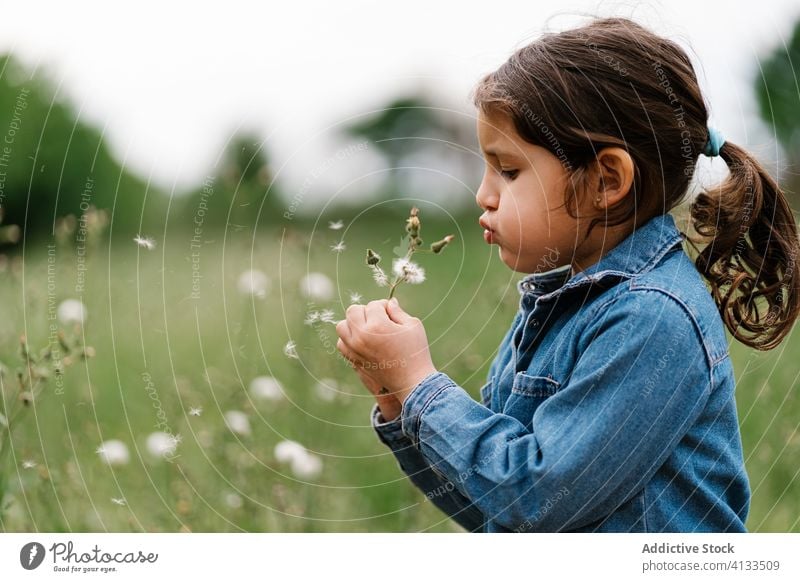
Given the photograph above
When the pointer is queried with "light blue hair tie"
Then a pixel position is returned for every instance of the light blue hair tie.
(715, 141)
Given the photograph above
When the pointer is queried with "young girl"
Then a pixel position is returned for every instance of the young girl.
(610, 405)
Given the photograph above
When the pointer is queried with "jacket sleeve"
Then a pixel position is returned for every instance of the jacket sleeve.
(438, 490)
(641, 379)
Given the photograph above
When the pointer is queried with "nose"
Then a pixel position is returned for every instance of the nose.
(486, 197)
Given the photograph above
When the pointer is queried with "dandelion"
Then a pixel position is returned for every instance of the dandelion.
(195, 411)
(290, 350)
(408, 271)
(304, 465)
(253, 282)
(327, 316)
(312, 317)
(145, 242)
(162, 444)
(113, 452)
(233, 500)
(326, 389)
(338, 247)
(266, 388)
(335, 225)
(355, 297)
(28, 464)
(71, 311)
(118, 500)
(237, 422)
(317, 286)
(403, 268)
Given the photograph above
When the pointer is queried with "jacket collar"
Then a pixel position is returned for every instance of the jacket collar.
(637, 253)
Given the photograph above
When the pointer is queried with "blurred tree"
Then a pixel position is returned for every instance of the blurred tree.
(778, 99)
(233, 194)
(53, 164)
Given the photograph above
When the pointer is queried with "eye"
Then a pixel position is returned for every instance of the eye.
(509, 174)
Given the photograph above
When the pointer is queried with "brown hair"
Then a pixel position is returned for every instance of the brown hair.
(612, 82)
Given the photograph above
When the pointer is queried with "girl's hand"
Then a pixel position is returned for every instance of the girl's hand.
(387, 344)
(388, 403)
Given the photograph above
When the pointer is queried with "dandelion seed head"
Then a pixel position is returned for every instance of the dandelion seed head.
(337, 225)
(379, 276)
(317, 286)
(409, 271)
(71, 311)
(326, 389)
(266, 388)
(113, 452)
(253, 282)
(237, 422)
(290, 350)
(233, 500)
(161, 444)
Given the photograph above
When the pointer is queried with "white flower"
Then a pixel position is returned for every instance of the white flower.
(113, 452)
(27, 464)
(304, 465)
(162, 444)
(312, 317)
(233, 500)
(327, 388)
(308, 466)
(71, 311)
(380, 277)
(237, 422)
(266, 388)
(118, 500)
(286, 451)
(409, 271)
(254, 283)
(290, 350)
(145, 242)
(338, 247)
(335, 225)
(196, 411)
(317, 286)
(327, 316)
(355, 297)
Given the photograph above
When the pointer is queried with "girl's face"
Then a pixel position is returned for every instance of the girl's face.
(522, 195)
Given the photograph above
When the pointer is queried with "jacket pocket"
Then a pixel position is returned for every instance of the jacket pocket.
(527, 394)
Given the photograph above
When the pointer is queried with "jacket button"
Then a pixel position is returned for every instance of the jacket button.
(534, 322)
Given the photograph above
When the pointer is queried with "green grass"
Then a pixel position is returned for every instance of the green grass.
(204, 351)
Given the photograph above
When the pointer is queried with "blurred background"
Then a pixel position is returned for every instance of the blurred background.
(186, 199)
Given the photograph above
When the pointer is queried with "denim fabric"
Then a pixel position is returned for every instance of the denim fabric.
(609, 407)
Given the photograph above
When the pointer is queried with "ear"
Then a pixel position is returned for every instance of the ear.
(614, 178)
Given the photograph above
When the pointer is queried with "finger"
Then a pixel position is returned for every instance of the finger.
(343, 330)
(356, 315)
(376, 311)
(396, 313)
(351, 355)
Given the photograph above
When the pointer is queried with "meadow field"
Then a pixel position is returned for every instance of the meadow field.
(259, 425)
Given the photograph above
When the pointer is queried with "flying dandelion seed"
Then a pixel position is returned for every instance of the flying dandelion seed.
(196, 411)
(145, 242)
(355, 297)
(336, 225)
(379, 276)
(312, 317)
(290, 350)
(28, 464)
(327, 316)
(338, 247)
(113, 452)
(266, 388)
(118, 500)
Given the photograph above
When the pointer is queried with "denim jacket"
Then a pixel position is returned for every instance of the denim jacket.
(609, 407)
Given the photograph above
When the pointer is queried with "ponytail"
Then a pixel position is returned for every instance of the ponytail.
(751, 253)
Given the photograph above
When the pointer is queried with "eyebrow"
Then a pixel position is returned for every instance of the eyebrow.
(492, 152)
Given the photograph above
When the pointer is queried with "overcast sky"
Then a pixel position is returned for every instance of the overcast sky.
(170, 83)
